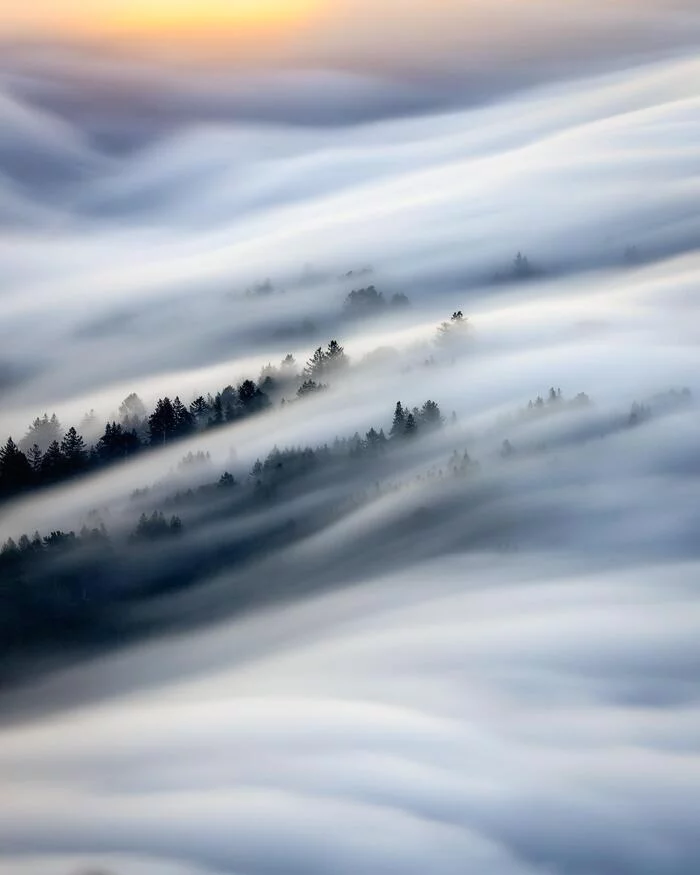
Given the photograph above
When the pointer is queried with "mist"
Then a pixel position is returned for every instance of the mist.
(288, 638)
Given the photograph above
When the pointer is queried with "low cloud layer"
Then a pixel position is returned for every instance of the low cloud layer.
(459, 716)
(493, 671)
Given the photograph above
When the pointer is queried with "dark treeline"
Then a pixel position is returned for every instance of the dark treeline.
(67, 587)
(48, 454)
(366, 302)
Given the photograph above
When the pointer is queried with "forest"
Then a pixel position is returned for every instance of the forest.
(75, 589)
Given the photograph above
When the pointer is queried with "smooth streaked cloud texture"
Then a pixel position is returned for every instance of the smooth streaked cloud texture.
(493, 674)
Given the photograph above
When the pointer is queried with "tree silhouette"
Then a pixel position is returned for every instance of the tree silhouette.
(316, 366)
(117, 443)
(453, 332)
(53, 464)
(162, 424)
(156, 527)
(310, 387)
(132, 412)
(252, 399)
(364, 302)
(227, 481)
(411, 428)
(15, 471)
(521, 266)
(398, 426)
(183, 421)
(43, 431)
(74, 452)
(200, 410)
(430, 415)
(336, 359)
(35, 456)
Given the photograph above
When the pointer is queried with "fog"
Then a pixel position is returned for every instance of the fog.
(476, 650)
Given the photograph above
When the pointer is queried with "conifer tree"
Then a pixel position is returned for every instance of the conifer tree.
(74, 452)
(53, 463)
(15, 471)
(399, 424)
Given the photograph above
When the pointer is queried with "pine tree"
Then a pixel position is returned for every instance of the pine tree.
(411, 428)
(117, 443)
(53, 465)
(183, 420)
(227, 481)
(430, 415)
(217, 413)
(161, 423)
(15, 471)
(199, 410)
(454, 331)
(89, 424)
(309, 387)
(132, 413)
(74, 452)
(251, 398)
(335, 358)
(289, 365)
(521, 267)
(43, 431)
(399, 424)
(316, 366)
(35, 456)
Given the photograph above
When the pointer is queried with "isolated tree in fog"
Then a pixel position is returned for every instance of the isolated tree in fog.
(453, 332)
(522, 268)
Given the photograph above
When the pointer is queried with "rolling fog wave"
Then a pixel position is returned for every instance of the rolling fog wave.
(495, 671)
(463, 715)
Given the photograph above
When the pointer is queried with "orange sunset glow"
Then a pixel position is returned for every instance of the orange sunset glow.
(161, 18)
(187, 17)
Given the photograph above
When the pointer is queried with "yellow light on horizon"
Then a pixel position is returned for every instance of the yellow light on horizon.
(192, 18)
(158, 20)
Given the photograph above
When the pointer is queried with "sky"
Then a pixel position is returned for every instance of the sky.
(405, 31)
(157, 19)
(497, 674)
